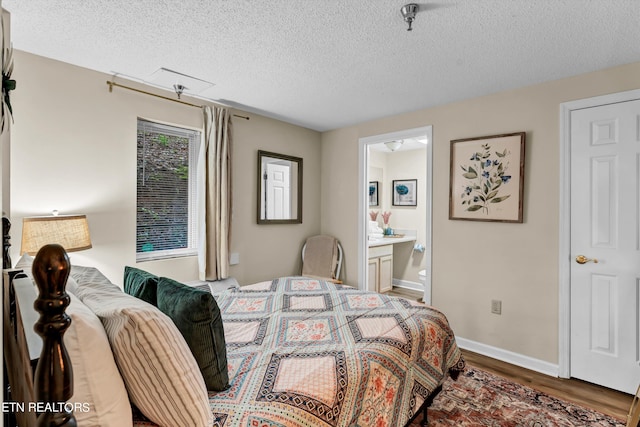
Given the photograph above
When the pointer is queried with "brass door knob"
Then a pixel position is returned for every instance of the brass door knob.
(581, 259)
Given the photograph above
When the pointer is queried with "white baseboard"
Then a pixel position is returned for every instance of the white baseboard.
(416, 286)
(509, 357)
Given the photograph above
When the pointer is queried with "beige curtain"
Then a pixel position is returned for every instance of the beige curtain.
(214, 194)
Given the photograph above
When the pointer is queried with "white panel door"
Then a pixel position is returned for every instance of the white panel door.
(278, 191)
(605, 226)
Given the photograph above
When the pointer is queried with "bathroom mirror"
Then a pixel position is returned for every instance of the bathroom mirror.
(279, 188)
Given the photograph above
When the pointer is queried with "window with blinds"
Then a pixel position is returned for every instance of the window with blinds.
(166, 225)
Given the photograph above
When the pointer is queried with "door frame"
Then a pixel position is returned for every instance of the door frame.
(363, 196)
(564, 252)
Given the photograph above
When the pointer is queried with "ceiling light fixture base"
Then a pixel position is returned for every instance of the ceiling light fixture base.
(408, 12)
(179, 89)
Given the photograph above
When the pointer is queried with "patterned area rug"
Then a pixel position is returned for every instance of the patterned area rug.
(479, 398)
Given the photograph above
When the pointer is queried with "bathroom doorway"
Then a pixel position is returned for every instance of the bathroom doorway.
(386, 185)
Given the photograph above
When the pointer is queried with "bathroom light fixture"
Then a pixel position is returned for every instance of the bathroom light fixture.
(394, 145)
(408, 12)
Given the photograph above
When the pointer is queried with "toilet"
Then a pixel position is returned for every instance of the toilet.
(422, 277)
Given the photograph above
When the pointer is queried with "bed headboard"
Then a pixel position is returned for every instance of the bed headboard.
(39, 399)
(18, 371)
(6, 242)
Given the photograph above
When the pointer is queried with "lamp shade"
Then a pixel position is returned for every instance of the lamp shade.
(69, 231)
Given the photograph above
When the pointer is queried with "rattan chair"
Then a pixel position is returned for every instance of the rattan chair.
(328, 258)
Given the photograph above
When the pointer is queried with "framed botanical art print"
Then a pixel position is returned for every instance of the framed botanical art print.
(405, 192)
(487, 178)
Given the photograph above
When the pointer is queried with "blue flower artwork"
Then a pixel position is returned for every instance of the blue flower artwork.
(402, 189)
(404, 192)
(373, 193)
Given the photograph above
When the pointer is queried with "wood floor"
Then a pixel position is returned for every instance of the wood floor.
(405, 293)
(601, 399)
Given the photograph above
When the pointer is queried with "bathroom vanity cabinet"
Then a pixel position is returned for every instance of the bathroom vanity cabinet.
(380, 265)
(380, 260)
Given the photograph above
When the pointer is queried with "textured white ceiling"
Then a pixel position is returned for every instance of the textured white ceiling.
(326, 64)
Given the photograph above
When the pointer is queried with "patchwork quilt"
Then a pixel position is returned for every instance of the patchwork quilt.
(305, 352)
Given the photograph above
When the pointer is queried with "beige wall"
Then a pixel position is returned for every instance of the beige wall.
(475, 262)
(74, 150)
(270, 251)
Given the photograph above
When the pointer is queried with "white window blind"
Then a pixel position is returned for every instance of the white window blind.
(166, 225)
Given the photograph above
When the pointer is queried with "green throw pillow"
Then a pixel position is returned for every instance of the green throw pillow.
(141, 284)
(197, 317)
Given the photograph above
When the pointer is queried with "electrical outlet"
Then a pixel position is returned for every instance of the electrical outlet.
(496, 306)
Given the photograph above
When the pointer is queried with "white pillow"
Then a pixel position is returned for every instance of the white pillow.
(98, 390)
(25, 260)
(158, 368)
(24, 263)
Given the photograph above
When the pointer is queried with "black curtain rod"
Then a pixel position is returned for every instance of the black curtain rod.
(112, 84)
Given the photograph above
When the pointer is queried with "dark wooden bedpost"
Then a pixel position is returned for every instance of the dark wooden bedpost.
(6, 242)
(54, 376)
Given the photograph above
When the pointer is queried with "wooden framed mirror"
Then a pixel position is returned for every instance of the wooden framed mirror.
(279, 188)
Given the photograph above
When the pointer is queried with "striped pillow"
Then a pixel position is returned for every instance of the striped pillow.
(159, 371)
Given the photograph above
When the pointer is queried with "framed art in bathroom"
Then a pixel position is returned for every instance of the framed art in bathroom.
(405, 192)
(373, 193)
(487, 178)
